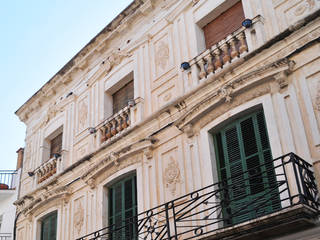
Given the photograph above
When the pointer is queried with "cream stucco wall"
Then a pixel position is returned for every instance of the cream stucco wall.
(174, 109)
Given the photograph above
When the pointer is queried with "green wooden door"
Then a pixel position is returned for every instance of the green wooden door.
(122, 208)
(49, 227)
(245, 168)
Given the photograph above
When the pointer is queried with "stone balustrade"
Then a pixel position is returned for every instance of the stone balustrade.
(47, 169)
(116, 123)
(220, 54)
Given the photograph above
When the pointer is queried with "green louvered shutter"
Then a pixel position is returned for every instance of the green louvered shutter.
(245, 166)
(49, 227)
(122, 207)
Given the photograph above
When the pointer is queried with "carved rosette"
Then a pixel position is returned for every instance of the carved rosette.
(172, 176)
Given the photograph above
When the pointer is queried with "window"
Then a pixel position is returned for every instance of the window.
(223, 25)
(56, 145)
(121, 97)
(245, 168)
(52, 144)
(49, 227)
(123, 208)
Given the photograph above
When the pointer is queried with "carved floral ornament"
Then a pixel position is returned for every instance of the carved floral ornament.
(162, 55)
(83, 114)
(78, 217)
(172, 175)
(114, 58)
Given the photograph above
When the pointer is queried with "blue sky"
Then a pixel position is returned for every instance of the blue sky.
(37, 38)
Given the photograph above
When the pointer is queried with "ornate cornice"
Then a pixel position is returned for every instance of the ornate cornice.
(225, 90)
(114, 160)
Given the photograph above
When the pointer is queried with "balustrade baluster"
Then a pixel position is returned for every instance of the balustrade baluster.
(119, 123)
(128, 117)
(103, 133)
(113, 127)
(217, 62)
(210, 67)
(225, 49)
(108, 131)
(202, 73)
(243, 44)
(234, 52)
(124, 120)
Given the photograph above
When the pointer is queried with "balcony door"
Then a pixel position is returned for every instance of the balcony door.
(123, 208)
(49, 227)
(245, 170)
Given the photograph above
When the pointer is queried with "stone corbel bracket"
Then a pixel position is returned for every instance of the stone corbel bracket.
(282, 77)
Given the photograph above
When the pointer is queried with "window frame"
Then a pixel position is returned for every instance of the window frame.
(112, 199)
(52, 216)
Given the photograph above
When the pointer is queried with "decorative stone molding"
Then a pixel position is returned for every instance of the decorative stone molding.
(92, 183)
(194, 2)
(78, 216)
(226, 89)
(147, 7)
(162, 55)
(282, 77)
(188, 129)
(114, 59)
(225, 93)
(148, 152)
(117, 160)
(172, 175)
(317, 98)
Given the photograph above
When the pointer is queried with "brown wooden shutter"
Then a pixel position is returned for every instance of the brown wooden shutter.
(56, 145)
(225, 24)
(122, 96)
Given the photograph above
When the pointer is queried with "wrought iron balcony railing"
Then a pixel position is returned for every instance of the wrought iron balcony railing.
(278, 186)
(7, 179)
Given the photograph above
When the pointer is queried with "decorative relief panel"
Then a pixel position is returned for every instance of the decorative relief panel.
(314, 89)
(171, 162)
(172, 175)
(290, 11)
(164, 94)
(82, 150)
(78, 216)
(162, 54)
(83, 114)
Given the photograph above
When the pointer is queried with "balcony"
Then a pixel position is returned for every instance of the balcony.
(7, 179)
(47, 169)
(5, 236)
(216, 212)
(121, 121)
(229, 49)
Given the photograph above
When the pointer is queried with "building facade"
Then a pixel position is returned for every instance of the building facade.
(202, 116)
(9, 189)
